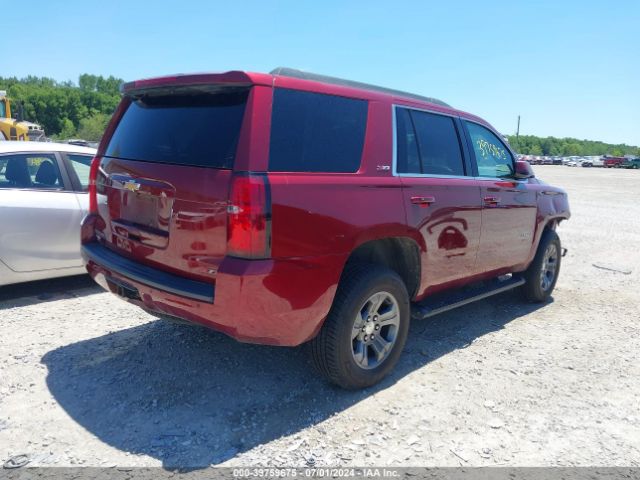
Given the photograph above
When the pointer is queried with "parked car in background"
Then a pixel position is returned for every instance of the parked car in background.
(573, 161)
(42, 201)
(79, 142)
(611, 162)
(594, 162)
(304, 208)
(631, 163)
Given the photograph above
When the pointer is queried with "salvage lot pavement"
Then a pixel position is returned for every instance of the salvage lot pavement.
(86, 379)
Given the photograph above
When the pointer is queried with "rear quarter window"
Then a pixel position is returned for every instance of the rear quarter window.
(313, 132)
(81, 165)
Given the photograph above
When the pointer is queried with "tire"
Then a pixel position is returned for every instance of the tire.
(538, 284)
(336, 354)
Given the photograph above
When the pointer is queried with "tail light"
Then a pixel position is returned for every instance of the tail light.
(93, 189)
(92, 222)
(249, 217)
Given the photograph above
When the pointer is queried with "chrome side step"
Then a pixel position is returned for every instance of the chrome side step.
(445, 301)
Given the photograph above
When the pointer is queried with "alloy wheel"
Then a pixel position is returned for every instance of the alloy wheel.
(375, 330)
(549, 267)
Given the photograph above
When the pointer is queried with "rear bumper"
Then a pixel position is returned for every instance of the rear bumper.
(274, 302)
(152, 277)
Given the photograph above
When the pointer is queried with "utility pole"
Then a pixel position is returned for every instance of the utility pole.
(518, 133)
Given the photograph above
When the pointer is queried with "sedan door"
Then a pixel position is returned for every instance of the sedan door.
(509, 206)
(78, 166)
(442, 201)
(39, 214)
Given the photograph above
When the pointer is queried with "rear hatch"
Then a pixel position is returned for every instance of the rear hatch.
(165, 175)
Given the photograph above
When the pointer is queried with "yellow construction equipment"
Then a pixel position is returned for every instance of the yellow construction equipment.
(12, 129)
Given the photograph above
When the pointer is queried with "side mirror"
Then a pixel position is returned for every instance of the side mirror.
(523, 170)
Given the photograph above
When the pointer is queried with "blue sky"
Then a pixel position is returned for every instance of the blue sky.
(569, 68)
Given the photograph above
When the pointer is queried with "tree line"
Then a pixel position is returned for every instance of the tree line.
(67, 110)
(64, 109)
(567, 147)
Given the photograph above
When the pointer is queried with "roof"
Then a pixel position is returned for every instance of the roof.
(13, 146)
(293, 78)
(294, 73)
(239, 77)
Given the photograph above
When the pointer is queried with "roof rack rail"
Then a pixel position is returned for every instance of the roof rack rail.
(292, 72)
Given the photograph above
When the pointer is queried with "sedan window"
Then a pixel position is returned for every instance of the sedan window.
(30, 171)
(81, 165)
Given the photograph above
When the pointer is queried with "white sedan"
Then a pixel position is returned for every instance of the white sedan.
(42, 202)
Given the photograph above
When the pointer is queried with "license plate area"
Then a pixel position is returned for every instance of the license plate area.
(141, 209)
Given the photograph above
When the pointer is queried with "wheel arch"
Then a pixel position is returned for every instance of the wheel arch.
(400, 254)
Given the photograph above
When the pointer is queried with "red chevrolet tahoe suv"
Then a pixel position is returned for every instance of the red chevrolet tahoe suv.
(290, 207)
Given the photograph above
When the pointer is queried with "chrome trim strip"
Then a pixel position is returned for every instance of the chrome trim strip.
(394, 157)
(428, 175)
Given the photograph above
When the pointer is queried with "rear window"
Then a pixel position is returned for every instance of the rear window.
(312, 132)
(186, 127)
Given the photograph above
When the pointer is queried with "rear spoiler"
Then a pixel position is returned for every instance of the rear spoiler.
(231, 78)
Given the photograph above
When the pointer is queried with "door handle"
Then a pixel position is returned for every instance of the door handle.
(491, 201)
(423, 201)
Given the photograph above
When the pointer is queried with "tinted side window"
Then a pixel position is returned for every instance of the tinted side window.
(408, 156)
(312, 132)
(438, 144)
(32, 171)
(492, 157)
(428, 144)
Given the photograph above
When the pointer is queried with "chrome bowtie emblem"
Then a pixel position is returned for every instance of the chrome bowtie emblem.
(131, 185)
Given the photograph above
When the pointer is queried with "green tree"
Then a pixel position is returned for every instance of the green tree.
(532, 145)
(92, 128)
(87, 82)
(535, 150)
(52, 104)
(617, 152)
(68, 130)
(572, 149)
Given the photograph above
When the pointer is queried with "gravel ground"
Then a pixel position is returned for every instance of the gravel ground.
(86, 379)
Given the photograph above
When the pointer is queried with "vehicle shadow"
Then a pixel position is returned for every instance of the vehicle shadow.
(191, 397)
(40, 291)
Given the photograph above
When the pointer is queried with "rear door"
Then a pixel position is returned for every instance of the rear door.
(78, 166)
(442, 200)
(509, 206)
(39, 214)
(165, 176)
